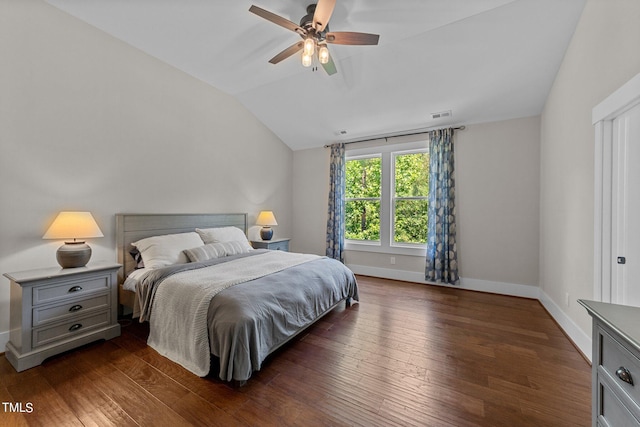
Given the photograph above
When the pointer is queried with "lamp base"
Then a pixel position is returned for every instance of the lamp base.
(73, 254)
(266, 233)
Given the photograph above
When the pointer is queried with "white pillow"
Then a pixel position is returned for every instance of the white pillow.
(160, 251)
(224, 234)
(216, 250)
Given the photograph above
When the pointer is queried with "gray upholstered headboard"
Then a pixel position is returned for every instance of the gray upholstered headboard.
(133, 227)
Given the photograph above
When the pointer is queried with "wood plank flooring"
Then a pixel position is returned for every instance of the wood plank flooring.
(407, 355)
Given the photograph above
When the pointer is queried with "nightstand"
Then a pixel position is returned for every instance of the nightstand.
(615, 364)
(57, 309)
(275, 244)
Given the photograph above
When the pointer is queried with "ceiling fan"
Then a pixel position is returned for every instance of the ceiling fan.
(314, 30)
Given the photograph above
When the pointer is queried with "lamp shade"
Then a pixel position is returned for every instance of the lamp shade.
(266, 218)
(73, 225)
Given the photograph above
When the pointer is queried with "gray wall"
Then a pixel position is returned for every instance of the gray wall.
(603, 55)
(90, 123)
(497, 188)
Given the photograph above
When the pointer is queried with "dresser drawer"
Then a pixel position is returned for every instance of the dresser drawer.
(46, 335)
(280, 246)
(69, 289)
(612, 413)
(69, 309)
(613, 357)
(274, 245)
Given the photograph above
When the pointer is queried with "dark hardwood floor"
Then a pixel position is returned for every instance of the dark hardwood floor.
(408, 354)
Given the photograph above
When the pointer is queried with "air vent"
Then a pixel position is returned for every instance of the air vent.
(441, 115)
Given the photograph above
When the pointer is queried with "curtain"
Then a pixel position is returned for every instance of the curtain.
(442, 253)
(335, 217)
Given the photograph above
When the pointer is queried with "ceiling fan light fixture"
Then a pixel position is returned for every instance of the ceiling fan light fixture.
(314, 30)
(309, 46)
(323, 55)
(306, 60)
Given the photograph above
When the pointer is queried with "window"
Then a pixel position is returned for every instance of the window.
(386, 198)
(411, 197)
(362, 199)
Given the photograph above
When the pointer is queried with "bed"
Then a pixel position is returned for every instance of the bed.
(229, 303)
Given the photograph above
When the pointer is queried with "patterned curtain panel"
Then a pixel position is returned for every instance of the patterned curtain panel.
(442, 253)
(335, 218)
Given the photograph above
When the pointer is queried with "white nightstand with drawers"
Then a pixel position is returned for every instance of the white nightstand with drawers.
(616, 364)
(57, 309)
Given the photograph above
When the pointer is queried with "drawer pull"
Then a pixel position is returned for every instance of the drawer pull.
(624, 374)
(75, 308)
(75, 327)
(75, 289)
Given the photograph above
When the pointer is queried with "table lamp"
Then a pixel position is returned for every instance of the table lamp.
(73, 225)
(266, 219)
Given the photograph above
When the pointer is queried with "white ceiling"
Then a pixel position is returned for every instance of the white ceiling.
(485, 60)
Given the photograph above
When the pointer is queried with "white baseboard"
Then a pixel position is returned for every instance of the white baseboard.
(511, 289)
(4, 339)
(577, 335)
(579, 338)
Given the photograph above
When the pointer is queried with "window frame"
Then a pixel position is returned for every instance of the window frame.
(386, 244)
(393, 199)
(378, 199)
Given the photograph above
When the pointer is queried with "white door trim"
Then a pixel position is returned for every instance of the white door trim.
(603, 115)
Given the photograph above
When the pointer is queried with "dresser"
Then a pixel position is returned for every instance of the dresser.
(275, 244)
(55, 309)
(616, 364)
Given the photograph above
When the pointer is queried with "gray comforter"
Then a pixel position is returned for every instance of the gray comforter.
(250, 320)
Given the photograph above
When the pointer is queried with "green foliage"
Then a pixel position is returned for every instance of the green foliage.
(410, 215)
(362, 220)
(411, 221)
(363, 178)
(363, 192)
(363, 181)
(412, 175)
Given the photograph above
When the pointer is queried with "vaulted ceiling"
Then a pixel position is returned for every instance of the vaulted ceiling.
(485, 60)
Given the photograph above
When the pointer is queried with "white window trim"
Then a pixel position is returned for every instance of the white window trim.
(385, 245)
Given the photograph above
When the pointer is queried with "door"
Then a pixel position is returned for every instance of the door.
(626, 208)
(616, 191)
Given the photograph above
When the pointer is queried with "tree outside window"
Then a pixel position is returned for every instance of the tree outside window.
(411, 197)
(407, 198)
(362, 199)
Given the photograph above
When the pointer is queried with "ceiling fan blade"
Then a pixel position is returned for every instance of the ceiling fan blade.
(330, 67)
(323, 12)
(276, 19)
(287, 52)
(351, 38)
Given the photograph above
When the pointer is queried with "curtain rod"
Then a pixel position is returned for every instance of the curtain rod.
(396, 136)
